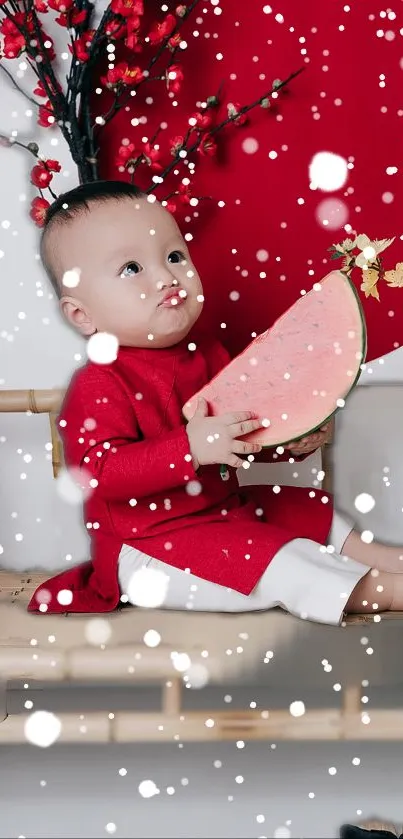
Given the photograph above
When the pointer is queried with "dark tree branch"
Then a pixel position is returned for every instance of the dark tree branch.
(20, 90)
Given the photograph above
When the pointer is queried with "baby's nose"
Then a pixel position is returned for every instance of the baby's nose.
(171, 281)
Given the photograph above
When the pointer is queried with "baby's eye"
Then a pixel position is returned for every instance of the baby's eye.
(130, 269)
(176, 256)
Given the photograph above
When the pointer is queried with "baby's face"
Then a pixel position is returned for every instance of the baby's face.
(137, 280)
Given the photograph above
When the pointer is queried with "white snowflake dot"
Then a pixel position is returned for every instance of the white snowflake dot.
(364, 502)
(152, 638)
(148, 789)
(250, 145)
(42, 728)
(102, 348)
(297, 708)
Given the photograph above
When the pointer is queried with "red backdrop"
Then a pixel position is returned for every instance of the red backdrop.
(336, 105)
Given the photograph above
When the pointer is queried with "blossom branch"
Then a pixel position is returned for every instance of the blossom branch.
(187, 13)
(119, 101)
(17, 87)
(232, 118)
(122, 19)
(44, 169)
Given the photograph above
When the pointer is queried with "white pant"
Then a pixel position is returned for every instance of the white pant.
(303, 578)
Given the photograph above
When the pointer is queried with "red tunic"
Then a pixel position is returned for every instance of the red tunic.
(122, 423)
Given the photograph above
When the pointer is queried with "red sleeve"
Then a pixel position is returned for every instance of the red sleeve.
(100, 434)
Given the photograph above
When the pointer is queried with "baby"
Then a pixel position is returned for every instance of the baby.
(157, 498)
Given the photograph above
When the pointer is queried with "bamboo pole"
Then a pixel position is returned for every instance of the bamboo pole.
(351, 700)
(126, 662)
(57, 448)
(324, 725)
(171, 697)
(35, 401)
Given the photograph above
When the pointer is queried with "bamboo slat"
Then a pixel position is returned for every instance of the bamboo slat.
(19, 588)
(328, 724)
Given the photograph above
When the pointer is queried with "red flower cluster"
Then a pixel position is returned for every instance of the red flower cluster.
(61, 6)
(42, 173)
(201, 120)
(182, 196)
(38, 211)
(19, 27)
(162, 30)
(177, 144)
(128, 156)
(72, 18)
(174, 76)
(45, 115)
(233, 112)
(127, 8)
(207, 146)
(14, 41)
(123, 74)
(81, 46)
(128, 29)
(45, 111)
(40, 6)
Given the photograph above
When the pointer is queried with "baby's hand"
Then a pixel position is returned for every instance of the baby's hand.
(314, 441)
(214, 439)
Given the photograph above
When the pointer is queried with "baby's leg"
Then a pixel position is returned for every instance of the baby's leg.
(375, 555)
(378, 591)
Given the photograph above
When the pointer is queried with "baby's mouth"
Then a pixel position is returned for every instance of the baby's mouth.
(175, 297)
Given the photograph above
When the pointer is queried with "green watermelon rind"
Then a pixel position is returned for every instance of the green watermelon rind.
(364, 348)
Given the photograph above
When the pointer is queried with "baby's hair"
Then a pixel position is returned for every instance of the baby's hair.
(74, 202)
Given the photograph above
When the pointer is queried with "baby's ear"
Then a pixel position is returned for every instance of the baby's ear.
(77, 316)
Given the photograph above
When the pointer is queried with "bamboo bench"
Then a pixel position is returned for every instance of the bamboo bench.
(17, 588)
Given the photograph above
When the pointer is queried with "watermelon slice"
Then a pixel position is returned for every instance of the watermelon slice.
(294, 375)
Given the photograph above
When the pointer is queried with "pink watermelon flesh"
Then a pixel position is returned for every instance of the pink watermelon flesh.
(294, 374)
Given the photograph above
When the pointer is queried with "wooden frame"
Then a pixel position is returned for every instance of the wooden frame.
(38, 402)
